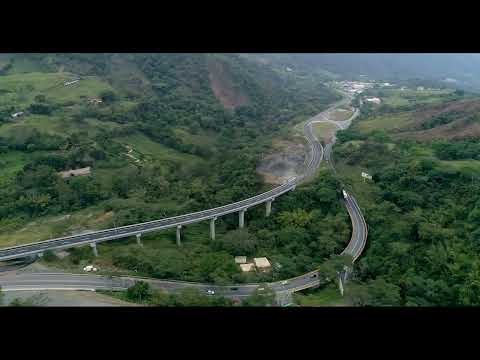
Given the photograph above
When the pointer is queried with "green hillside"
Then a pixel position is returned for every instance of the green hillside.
(163, 134)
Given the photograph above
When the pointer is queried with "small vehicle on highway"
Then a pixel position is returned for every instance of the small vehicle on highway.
(261, 289)
(89, 268)
(234, 288)
(313, 275)
(210, 292)
(285, 282)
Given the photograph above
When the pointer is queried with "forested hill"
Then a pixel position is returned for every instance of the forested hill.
(162, 133)
(189, 89)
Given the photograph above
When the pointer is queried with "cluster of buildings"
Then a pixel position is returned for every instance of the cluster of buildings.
(261, 264)
(355, 87)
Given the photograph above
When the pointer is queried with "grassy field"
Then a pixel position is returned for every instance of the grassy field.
(88, 87)
(462, 165)
(152, 150)
(59, 122)
(97, 124)
(20, 89)
(341, 114)
(385, 122)
(11, 163)
(51, 124)
(324, 131)
(397, 97)
(328, 296)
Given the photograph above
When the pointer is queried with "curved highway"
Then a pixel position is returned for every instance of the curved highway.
(57, 281)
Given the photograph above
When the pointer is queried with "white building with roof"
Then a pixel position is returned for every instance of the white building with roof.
(374, 100)
(240, 259)
(262, 263)
(77, 172)
(17, 114)
(247, 267)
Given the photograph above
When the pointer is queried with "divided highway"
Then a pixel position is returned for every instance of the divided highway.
(57, 281)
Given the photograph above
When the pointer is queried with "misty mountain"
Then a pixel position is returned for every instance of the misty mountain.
(459, 70)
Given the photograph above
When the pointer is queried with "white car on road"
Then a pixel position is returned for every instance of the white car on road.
(89, 268)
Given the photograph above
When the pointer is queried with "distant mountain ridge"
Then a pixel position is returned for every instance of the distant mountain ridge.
(462, 70)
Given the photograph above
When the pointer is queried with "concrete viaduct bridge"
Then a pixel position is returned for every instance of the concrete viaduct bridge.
(138, 229)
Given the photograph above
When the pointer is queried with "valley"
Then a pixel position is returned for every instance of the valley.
(155, 136)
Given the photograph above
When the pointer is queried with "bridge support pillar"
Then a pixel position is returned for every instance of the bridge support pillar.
(241, 218)
(212, 228)
(179, 240)
(139, 239)
(94, 248)
(269, 207)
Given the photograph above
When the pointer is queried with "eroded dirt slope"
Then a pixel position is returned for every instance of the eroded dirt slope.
(223, 86)
(286, 161)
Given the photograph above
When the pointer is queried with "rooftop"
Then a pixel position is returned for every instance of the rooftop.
(17, 114)
(374, 100)
(77, 172)
(240, 259)
(261, 262)
(247, 267)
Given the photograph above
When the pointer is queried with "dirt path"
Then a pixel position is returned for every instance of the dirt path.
(130, 155)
